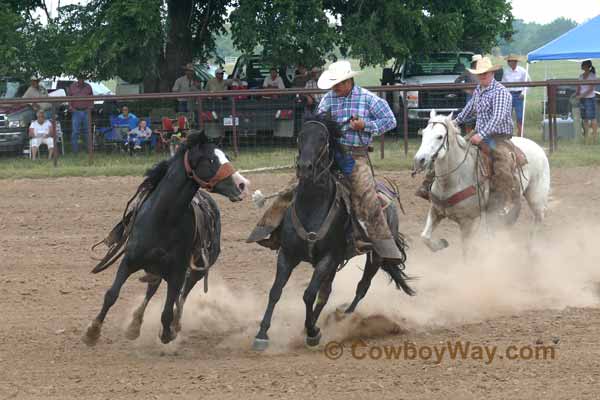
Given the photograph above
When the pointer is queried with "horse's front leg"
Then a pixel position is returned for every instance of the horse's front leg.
(92, 333)
(285, 266)
(433, 220)
(467, 230)
(174, 282)
(133, 330)
(323, 268)
(191, 278)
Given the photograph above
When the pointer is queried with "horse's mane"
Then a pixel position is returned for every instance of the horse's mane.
(154, 175)
(332, 126)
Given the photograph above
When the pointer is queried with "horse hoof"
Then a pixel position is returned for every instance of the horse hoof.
(260, 344)
(132, 332)
(92, 334)
(167, 337)
(313, 341)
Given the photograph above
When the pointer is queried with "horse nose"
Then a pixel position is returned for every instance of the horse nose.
(306, 165)
(420, 161)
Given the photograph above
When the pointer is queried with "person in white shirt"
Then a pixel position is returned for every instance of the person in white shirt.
(516, 73)
(273, 81)
(587, 102)
(40, 132)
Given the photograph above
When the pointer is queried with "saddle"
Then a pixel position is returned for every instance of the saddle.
(486, 161)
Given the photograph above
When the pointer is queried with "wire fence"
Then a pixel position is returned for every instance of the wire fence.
(264, 123)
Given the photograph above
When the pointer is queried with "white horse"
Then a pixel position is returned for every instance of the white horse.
(458, 193)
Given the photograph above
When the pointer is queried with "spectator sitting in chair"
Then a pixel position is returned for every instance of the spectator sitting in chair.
(37, 90)
(128, 118)
(40, 132)
(137, 135)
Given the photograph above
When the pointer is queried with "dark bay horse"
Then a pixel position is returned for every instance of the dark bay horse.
(161, 232)
(315, 230)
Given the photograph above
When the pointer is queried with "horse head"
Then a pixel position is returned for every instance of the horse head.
(437, 137)
(211, 169)
(316, 143)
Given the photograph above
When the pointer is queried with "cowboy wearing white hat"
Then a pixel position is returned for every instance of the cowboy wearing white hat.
(37, 90)
(492, 104)
(361, 115)
(516, 73)
(186, 83)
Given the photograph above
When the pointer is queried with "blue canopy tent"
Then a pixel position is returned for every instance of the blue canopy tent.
(580, 43)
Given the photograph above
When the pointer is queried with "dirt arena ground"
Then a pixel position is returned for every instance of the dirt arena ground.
(510, 297)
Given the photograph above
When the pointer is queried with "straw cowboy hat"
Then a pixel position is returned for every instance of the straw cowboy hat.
(484, 65)
(337, 72)
(476, 57)
(513, 57)
(188, 67)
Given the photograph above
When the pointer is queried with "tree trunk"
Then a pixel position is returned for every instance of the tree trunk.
(178, 48)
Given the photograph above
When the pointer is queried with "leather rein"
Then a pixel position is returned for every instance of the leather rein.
(224, 172)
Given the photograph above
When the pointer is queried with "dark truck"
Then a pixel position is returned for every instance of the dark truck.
(443, 67)
(256, 115)
(14, 119)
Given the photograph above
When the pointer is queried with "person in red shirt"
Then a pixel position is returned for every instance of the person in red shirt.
(79, 111)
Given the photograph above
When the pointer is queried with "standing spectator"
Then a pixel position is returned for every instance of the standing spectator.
(37, 90)
(79, 111)
(40, 132)
(186, 83)
(587, 102)
(218, 84)
(273, 81)
(516, 73)
(313, 100)
(301, 77)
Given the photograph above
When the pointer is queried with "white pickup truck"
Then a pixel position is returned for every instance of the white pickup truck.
(443, 67)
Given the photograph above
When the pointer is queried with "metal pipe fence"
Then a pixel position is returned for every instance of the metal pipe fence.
(257, 120)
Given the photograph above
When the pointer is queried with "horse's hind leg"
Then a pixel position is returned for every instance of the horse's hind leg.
(433, 220)
(133, 330)
(365, 282)
(467, 230)
(284, 270)
(92, 333)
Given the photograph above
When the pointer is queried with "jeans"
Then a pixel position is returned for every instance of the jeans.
(517, 103)
(80, 121)
(182, 106)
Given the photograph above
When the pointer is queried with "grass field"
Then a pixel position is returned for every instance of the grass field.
(569, 154)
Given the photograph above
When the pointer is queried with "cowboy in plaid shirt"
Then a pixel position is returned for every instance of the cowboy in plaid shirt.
(492, 105)
(360, 114)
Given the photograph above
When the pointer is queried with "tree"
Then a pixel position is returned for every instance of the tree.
(529, 36)
(376, 31)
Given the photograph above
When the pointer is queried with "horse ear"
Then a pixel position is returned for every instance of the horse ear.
(196, 139)
(451, 116)
(432, 114)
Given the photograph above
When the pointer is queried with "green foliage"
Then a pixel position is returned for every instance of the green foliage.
(289, 31)
(530, 36)
(379, 30)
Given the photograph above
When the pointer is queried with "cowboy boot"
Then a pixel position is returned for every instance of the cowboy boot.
(425, 188)
(271, 220)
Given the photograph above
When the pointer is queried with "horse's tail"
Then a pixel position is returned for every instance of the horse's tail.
(396, 271)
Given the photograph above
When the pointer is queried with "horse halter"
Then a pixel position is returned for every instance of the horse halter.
(322, 154)
(446, 144)
(224, 172)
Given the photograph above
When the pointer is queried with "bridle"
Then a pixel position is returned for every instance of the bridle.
(446, 144)
(322, 154)
(224, 172)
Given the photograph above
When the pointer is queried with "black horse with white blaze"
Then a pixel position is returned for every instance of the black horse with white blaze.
(315, 230)
(159, 233)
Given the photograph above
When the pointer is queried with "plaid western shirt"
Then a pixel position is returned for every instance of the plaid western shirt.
(492, 106)
(363, 104)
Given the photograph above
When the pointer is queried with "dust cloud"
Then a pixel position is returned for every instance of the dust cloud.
(558, 270)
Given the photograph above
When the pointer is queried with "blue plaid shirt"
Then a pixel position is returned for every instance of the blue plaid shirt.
(492, 106)
(363, 104)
